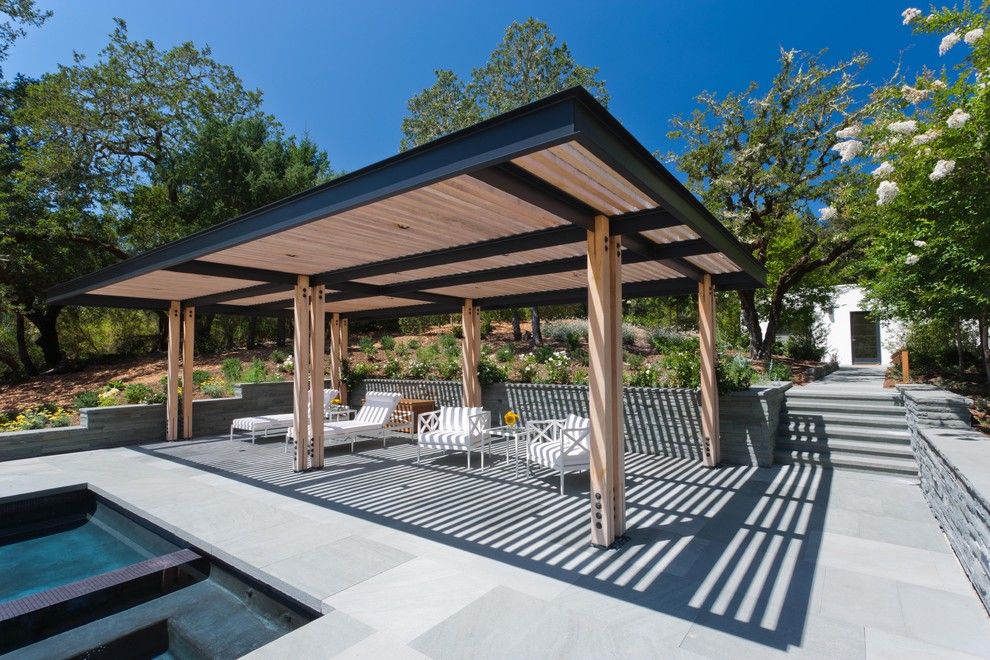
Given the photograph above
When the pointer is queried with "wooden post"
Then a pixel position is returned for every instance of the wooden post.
(343, 358)
(188, 387)
(470, 353)
(316, 352)
(300, 372)
(605, 385)
(709, 377)
(172, 379)
(335, 353)
(905, 366)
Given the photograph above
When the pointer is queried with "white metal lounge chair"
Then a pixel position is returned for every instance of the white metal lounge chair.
(454, 429)
(371, 420)
(266, 425)
(563, 445)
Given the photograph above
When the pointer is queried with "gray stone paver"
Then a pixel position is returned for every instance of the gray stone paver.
(431, 560)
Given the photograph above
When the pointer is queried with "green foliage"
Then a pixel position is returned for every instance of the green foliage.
(392, 368)
(352, 376)
(527, 371)
(278, 356)
(232, 370)
(762, 162)
(387, 342)
(258, 372)
(682, 368)
(115, 384)
(137, 393)
(559, 368)
(665, 341)
(542, 353)
(805, 346)
(526, 66)
(489, 372)
(418, 325)
(634, 360)
(199, 376)
(418, 370)
(644, 375)
(413, 344)
(777, 371)
(505, 353)
(367, 345)
(88, 399)
(486, 327)
(449, 369)
(428, 353)
(215, 388)
(734, 373)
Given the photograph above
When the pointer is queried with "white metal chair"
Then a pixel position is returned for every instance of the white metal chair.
(454, 429)
(266, 425)
(371, 420)
(563, 445)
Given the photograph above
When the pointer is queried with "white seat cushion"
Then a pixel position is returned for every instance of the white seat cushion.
(457, 418)
(449, 440)
(547, 454)
(263, 422)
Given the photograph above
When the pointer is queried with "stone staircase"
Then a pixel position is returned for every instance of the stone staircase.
(847, 428)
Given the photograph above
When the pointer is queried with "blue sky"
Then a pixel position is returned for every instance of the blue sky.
(342, 71)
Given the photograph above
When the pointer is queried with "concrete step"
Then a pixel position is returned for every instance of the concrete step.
(835, 447)
(807, 420)
(815, 406)
(801, 432)
(880, 397)
(874, 464)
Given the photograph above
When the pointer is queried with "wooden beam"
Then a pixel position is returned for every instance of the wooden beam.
(344, 338)
(615, 390)
(213, 269)
(604, 352)
(317, 322)
(652, 250)
(235, 294)
(519, 183)
(470, 353)
(709, 377)
(172, 377)
(300, 372)
(188, 387)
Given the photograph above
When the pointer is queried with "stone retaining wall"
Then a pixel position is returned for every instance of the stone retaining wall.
(119, 426)
(661, 421)
(954, 471)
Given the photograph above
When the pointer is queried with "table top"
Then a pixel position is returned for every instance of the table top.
(508, 430)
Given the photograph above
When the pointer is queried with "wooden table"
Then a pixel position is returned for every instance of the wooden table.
(412, 408)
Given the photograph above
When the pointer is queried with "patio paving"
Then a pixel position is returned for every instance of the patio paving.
(414, 560)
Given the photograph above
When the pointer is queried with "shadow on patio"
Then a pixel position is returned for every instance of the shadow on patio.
(732, 549)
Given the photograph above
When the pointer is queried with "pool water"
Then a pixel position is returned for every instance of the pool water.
(40, 555)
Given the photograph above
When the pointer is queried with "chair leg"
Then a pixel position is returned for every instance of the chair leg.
(469, 458)
(419, 452)
(561, 480)
(482, 456)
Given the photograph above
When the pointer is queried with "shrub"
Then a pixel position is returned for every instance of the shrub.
(258, 372)
(200, 376)
(387, 342)
(629, 332)
(232, 370)
(413, 344)
(392, 368)
(367, 345)
(115, 384)
(287, 366)
(109, 397)
(644, 376)
(137, 393)
(527, 369)
(777, 371)
(59, 419)
(401, 350)
(449, 370)
(542, 354)
(563, 329)
(734, 374)
(419, 324)
(486, 328)
(448, 343)
(418, 370)
(353, 376)
(559, 368)
(682, 368)
(663, 341)
(804, 346)
(505, 353)
(458, 332)
(278, 356)
(156, 397)
(87, 400)
(489, 372)
(214, 388)
(634, 360)
(580, 377)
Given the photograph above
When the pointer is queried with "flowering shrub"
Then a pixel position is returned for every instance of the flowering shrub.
(559, 368)
(137, 393)
(36, 418)
(527, 369)
(418, 370)
(109, 397)
(647, 375)
(392, 368)
(215, 388)
(489, 372)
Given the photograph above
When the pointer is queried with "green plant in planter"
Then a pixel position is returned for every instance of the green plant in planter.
(214, 388)
(777, 371)
(734, 374)
(137, 393)
(88, 399)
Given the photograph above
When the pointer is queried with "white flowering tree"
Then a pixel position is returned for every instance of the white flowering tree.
(930, 255)
(767, 163)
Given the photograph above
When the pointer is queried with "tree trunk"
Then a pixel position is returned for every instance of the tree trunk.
(985, 344)
(959, 346)
(516, 327)
(22, 348)
(747, 300)
(47, 324)
(534, 317)
(280, 331)
(252, 332)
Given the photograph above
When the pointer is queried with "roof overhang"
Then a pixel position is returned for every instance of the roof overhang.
(497, 212)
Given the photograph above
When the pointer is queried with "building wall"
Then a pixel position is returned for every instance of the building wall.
(836, 321)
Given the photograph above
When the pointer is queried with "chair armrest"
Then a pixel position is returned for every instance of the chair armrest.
(571, 439)
(428, 421)
(544, 430)
(479, 423)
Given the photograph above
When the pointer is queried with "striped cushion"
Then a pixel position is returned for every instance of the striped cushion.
(455, 418)
(454, 440)
(547, 454)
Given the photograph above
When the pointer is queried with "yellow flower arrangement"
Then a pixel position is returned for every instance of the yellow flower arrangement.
(336, 401)
(511, 418)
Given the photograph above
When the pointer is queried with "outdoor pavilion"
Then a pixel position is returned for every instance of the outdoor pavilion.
(552, 203)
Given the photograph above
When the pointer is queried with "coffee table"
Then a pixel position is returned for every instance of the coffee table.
(513, 434)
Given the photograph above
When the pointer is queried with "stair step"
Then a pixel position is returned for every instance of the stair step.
(882, 464)
(825, 420)
(834, 447)
(822, 394)
(810, 406)
(794, 431)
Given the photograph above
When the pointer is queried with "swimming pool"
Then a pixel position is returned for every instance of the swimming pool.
(82, 577)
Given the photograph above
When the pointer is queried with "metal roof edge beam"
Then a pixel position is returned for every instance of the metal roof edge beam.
(651, 250)
(246, 292)
(519, 183)
(637, 221)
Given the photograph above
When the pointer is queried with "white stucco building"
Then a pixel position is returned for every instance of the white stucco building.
(853, 336)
